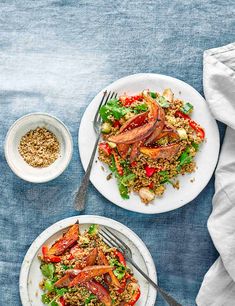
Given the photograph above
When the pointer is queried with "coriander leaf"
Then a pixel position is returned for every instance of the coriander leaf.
(120, 270)
(127, 179)
(123, 190)
(162, 101)
(90, 298)
(185, 158)
(48, 270)
(140, 108)
(113, 108)
(48, 285)
(187, 108)
(196, 146)
(165, 177)
(153, 94)
(65, 267)
(54, 303)
(61, 291)
(93, 229)
(45, 299)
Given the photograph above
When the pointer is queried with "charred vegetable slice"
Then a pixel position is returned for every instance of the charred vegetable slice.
(67, 241)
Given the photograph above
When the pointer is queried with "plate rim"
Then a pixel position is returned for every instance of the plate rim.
(154, 75)
(85, 219)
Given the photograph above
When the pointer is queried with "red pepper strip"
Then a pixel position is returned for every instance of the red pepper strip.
(151, 185)
(193, 124)
(116, 124)
(134, 298)
(100, 291)
(133, 164)
(47, 257)
(127, 101)
(117, 163)
(149, 170)
(120, 257)
(103, 146)
(62, 301)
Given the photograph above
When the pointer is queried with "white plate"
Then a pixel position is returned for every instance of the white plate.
(30, 274)
(206, 158)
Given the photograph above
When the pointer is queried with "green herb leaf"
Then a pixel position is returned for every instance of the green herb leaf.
(187, 108)
(61, 291)
(123, 190)
(48, 270)
(140, 108)
(165, 177)
(153, 94)
(90, 298)
(196, 146)
(127, 179)
(184, 159)
(93, 229)
(54, 303)
(48, 285)
(45, 299)
(113, 108)
(120, 270)
(162, 101)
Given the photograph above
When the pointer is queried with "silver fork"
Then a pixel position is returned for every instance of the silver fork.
(80, 195)
(114, 241)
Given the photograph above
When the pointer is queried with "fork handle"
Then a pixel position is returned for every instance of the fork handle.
(170, 300)
(80, 196)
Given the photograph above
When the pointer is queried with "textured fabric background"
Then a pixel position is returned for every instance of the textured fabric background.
(54, 57)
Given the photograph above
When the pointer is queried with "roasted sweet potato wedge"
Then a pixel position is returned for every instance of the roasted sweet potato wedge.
(135, 150)
(90, 259)
(100, 291)
(134, 135)
(166, 152)
(88, 273)
(103, 260)
(123, 149)
(134, 122)
(159, 126)
(65, 280)
(67, 241)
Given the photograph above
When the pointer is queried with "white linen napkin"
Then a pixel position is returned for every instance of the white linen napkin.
(218, 287)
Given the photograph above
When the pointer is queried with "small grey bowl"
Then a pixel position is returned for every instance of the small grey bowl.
(19, 129)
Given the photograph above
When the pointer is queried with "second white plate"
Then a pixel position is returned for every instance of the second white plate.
(206, 158)
(30, 274)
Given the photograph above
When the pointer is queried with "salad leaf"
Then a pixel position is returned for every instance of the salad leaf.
(123, 190)
(48, 270)
(54, 303)
(120, 270)
(61, 291)
(187, 108)
(153, 94)
(196, 146)
(48, 285)
(165, 177)
(113, 108)
(93, 229)
(140, 108)
(125, 179)
(162, 101)
(45, 299)
(185, 158)
(90, 298)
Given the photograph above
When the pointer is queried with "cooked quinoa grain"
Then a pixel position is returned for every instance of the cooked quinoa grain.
(39, 148)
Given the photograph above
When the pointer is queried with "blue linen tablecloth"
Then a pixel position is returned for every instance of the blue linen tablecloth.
(54, 57)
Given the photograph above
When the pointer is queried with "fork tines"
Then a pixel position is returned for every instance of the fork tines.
(106, 97)
(113, 240)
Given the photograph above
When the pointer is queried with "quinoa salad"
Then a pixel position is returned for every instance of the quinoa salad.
(148, 140)
(81, 269)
